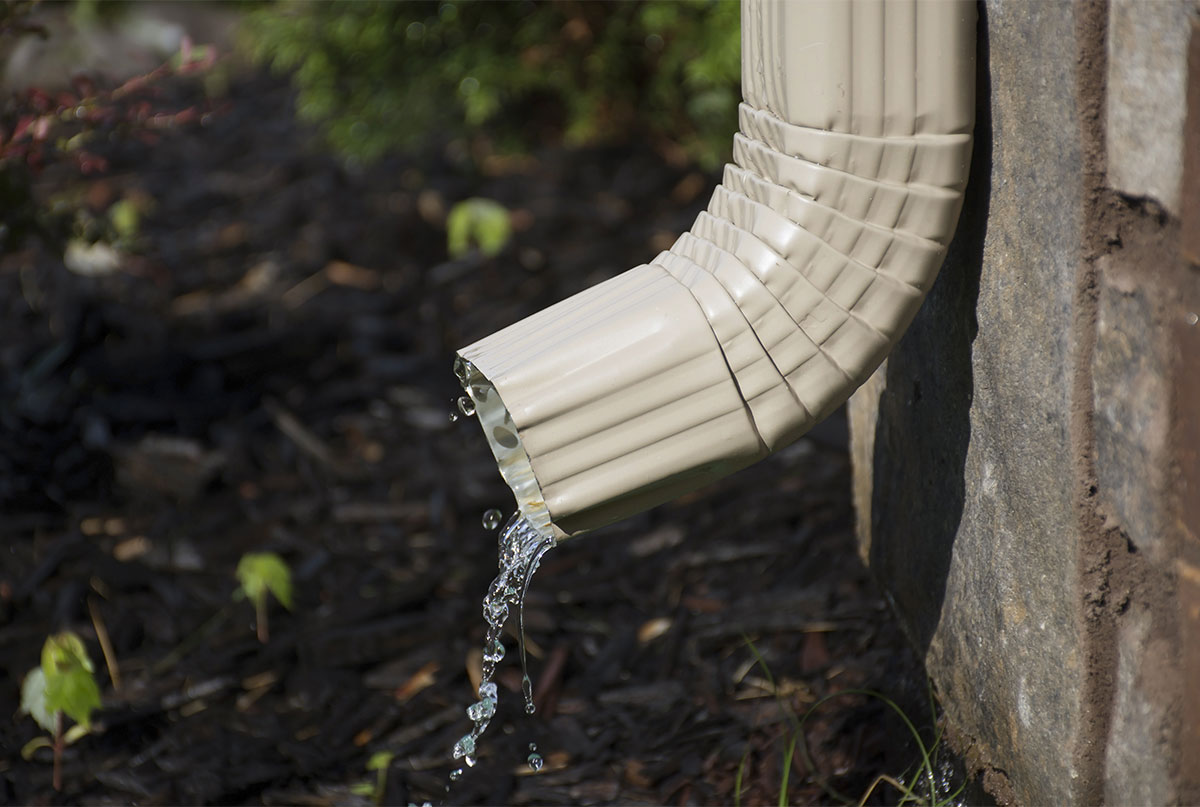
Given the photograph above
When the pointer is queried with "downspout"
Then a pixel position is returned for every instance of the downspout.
(812, 258)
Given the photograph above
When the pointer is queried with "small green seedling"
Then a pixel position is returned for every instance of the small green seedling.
(910, 794)
(481, 222)
(379, 762)
(62, 685)
(125, 219)
(260, 573)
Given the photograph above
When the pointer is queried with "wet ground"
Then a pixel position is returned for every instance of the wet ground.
(270, 370)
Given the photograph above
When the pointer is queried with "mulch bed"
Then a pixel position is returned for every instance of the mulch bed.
(271, 371)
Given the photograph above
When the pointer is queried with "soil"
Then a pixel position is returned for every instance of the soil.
(270, 370)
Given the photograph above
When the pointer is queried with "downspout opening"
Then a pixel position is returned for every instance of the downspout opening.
(505, 442)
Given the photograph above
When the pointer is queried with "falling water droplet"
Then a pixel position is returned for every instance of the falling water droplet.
(527, 689)
(492, 519)
(535, 761)
(454, 417)
(456, 774)
(466, 406)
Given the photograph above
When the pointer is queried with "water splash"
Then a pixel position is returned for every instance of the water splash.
(521, 550)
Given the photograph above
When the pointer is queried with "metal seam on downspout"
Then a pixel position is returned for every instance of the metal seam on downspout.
(741, 377)
(819, 343)
(810, 261)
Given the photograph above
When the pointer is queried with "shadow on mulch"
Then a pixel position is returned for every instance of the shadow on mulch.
(271, 371)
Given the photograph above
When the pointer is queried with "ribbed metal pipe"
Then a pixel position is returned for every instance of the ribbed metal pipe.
(811, 260)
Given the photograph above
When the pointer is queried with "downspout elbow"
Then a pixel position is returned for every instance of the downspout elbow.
(809, 263)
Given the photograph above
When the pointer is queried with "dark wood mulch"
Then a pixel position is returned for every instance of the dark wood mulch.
(272, 371)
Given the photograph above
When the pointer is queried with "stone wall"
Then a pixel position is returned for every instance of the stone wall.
(1026, 472)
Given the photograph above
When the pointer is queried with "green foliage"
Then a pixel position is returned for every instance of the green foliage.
(63, 684)
(379, 75)
(125, 219)
(260, 573)
(263, 572)
(379, 762)
(911, 793)
(479, 222)
(70, 684)
(33, 699)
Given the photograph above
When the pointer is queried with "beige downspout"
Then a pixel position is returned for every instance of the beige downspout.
(812, 258)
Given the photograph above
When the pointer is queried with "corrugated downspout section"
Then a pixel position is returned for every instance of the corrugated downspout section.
(811, 260)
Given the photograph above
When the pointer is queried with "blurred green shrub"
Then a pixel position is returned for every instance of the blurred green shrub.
(379, 75)
(479, 222)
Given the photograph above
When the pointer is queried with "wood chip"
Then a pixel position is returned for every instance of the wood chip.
(342, 273)
(651, 629)
(132, 548)
(381, 512)
(305, 290)
(657, 541)
(634, 774)
(263, 679)
(421, 679)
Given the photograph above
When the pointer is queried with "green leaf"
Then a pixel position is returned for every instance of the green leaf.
(70, 686)
(125, 218)
(31, 747)
(482, 222)
(363, 789)
(380, 760)
(75, 733)
(33, 699)
(262, 572)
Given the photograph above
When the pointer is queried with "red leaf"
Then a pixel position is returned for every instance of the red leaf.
(40, 100)
(23, 124)
(90, 163)
(185, 116)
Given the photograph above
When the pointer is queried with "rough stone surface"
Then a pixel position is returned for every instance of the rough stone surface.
(971, 523)
(1147, 90)
(1130, 385)
(1033, 519)
(1141, 720)
(1144, 298)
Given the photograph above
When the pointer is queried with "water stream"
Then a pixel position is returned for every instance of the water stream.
(521, 549)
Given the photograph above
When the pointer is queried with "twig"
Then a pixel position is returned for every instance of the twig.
(110, 657)
(58, 749)
(187, 645)
(260, 619)
(880, 779)
(299, 434)
(305, 440)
